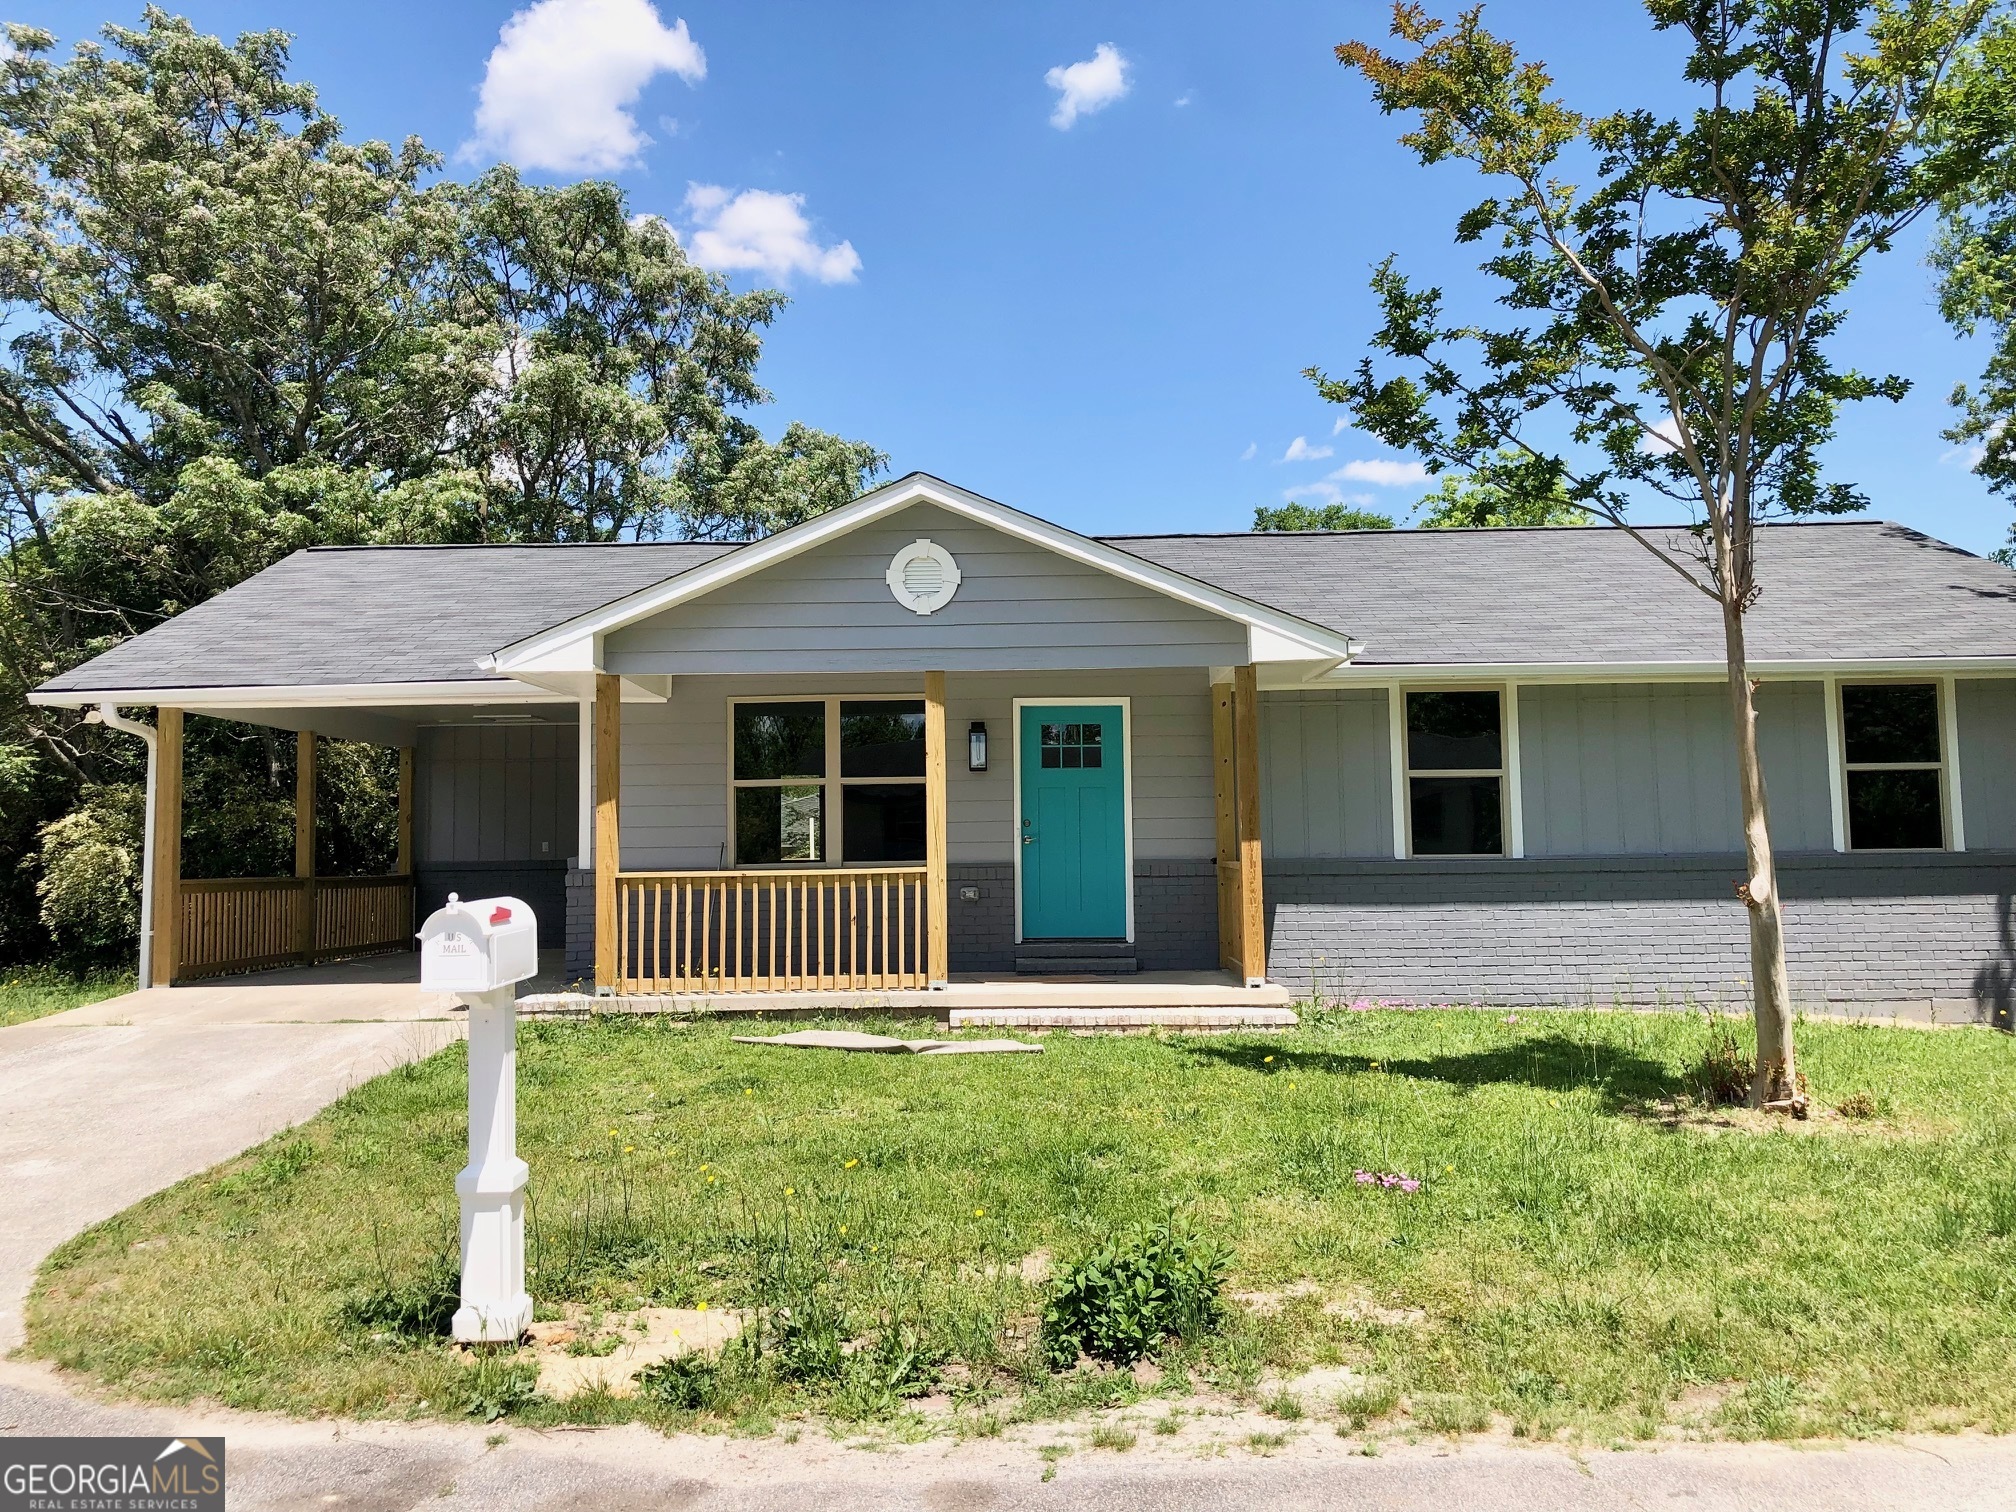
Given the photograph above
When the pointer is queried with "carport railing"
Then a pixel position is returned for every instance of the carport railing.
(245, 923)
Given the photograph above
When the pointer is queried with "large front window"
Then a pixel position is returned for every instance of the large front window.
(828, 781)
(1895, 775)
(1455, 774)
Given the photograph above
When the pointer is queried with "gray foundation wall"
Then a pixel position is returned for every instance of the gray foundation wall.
(1878, 928)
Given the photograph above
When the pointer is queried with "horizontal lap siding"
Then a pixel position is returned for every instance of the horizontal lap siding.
(1018, 607)
(675, 760)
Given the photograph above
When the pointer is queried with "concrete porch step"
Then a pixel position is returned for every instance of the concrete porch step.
(1075, 958)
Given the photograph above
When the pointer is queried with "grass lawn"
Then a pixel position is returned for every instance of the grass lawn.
(30, 992)
(1588, 1252)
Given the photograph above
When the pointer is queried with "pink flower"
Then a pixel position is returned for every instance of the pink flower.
(1363, 1178)
(1409, 1184)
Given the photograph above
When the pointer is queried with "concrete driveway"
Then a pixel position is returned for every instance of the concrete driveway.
(104, 1104)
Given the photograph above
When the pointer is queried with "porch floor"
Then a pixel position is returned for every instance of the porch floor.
(1148, 999)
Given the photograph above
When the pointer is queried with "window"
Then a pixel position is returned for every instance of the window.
(785, 785)
(1891, 751)
(1455, 774)
(1072, 745)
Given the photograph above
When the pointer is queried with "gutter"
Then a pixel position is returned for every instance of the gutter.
(109, 716)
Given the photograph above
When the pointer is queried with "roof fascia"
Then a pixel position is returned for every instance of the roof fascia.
(306, 695)
(575, 645)
(1781, 669)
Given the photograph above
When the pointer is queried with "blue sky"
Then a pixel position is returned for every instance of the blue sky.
(1103, 320)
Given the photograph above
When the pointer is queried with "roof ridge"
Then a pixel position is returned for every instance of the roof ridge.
(516, 545)
(1464, 530)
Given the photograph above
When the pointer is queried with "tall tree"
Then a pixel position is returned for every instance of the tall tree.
(1671, 321)
(1472, 500)
(1319, 517)
(1976, 258)
(229, 332)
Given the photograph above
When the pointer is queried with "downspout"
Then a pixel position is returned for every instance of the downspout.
(112, 719)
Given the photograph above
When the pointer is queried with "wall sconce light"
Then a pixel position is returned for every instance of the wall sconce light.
(976, 746)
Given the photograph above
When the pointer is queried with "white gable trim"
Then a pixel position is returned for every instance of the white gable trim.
(575, 645)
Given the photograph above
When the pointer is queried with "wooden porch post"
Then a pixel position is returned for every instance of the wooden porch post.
(1246, 759)
(403, 866)
(608, 842)
(938, 951)
(1224, 793)
(304, 842)
(166, 842)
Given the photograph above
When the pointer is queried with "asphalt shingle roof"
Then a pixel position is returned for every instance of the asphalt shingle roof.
(365, 614)
(1847, 590)
(1853, 590)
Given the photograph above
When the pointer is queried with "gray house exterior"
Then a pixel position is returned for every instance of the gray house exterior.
(1485, 765)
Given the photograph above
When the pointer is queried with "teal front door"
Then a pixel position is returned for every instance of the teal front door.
(1073, 763)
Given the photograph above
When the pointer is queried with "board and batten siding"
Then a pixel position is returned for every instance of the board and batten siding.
(1650, 768)
(1019, 607)
(1606, 769)
(1325, 775)
(675, 760)
(489, 793)
(1986, 710)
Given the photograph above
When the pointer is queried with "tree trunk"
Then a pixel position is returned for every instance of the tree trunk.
(1777, 1080)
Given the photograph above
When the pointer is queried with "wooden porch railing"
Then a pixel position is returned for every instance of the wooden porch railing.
(245, 923)
(863, 929)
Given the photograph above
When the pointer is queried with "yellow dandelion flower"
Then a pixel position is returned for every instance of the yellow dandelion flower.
(1448, 1170)
(710, 1181)
(787, 1191)
(748, 1091)
(850, 1165)
(843, 1228)
(1267, 1061)
(700, 1307)
(629, 1149)
(979, 1212)
(612, 1133)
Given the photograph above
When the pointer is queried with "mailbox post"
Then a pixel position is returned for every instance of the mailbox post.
(480, 951)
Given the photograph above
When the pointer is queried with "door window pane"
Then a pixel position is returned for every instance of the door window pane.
(1073, 745)
(780, 740)
(1453, 732)
(881, 739)
(1891, 722)
(775, 825)
(1894, 810)
(1456, 816)
(884, 822)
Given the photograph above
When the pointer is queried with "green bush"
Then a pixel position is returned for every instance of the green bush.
(89, 889)
(1125, 1299)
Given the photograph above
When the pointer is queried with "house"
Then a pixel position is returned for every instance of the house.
(928, 735)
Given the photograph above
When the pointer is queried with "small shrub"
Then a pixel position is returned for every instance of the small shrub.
(1125, 1299)
(806, 1338)
(898, 1364)
(1858, 1105)
(497, 1389)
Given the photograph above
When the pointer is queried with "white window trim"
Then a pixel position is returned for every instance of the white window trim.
(1952, 830)
(1511, 818)
(1126, 705)
(834, 838)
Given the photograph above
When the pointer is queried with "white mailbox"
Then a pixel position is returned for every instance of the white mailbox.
(478, 946)
(481, 950)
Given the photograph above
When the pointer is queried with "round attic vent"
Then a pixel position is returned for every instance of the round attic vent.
(923, 577)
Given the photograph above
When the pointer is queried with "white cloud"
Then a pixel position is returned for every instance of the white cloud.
(1252, 451)
(756, 231)
(1663, 437)
(560, 83)
(1088, 86)
(1181, 101)
(1299, 450)
(1382, 472)
(1343, 424)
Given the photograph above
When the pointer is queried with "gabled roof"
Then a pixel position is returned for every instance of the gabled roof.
(1848, 590)
(377, 614)
(570, 646)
